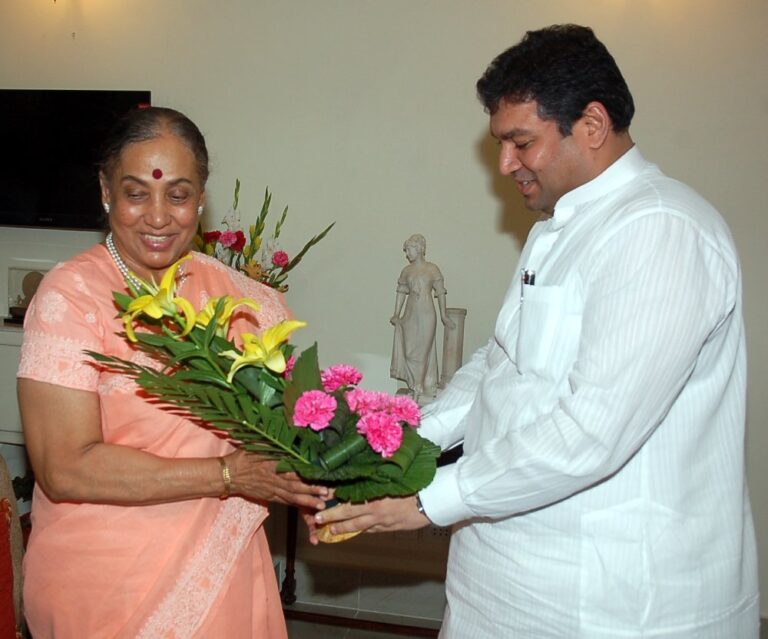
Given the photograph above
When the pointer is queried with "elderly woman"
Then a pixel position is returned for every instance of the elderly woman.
(144, 523)
(414, 353)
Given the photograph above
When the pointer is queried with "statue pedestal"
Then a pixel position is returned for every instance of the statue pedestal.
(452, 357)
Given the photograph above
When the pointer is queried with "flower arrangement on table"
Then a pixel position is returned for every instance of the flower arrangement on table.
(268, 401)
(259, 258)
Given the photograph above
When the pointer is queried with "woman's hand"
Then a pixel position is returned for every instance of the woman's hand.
(256, 477)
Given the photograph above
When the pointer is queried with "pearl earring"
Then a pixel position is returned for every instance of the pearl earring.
(106, 207)
(199, 210)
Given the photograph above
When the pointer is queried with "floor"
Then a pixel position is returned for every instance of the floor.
(309, 630)
(305, 630)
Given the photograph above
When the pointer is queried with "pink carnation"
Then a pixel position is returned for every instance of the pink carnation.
(289, 364)
(362, 401)
(383, 432)
(340, 375)
(314, 409)
(405, 409)
(228, 239)
(280, 258)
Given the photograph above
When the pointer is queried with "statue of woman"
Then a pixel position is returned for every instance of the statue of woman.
(414, 353)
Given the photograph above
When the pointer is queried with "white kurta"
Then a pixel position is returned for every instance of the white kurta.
(602, 490)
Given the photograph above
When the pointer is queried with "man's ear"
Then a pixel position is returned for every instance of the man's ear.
(595, 125)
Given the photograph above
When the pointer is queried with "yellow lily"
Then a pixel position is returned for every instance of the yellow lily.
(263, 350)
(161, 302)
(205, 316)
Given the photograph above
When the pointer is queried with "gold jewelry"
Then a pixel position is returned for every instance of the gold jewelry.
(227, 477)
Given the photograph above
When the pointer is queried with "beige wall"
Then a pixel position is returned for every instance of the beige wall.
(364, 112)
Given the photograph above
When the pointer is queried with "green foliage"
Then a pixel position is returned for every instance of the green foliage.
(366, 476)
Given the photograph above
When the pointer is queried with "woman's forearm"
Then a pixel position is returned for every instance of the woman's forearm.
(108, 473)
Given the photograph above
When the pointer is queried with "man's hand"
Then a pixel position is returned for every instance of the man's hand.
(380, 515)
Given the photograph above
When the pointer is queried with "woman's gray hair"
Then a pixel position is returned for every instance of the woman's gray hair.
(144, 124)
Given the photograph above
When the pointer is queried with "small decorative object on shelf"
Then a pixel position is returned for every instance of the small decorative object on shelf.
(17, 306)
(316, 423)
(258, 257)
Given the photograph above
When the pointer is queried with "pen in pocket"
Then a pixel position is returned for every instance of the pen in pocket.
(527, 276)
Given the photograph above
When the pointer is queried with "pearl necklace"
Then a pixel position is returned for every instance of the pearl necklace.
(121, 266)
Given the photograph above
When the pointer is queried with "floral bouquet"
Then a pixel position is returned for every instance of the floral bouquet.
(317, 423)
(261, 260)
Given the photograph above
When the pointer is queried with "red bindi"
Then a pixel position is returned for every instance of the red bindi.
(157, 174)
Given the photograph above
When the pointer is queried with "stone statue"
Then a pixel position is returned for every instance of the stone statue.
(414, 352)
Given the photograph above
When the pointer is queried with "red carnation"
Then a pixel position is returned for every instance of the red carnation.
(239, 242)
(211, 237)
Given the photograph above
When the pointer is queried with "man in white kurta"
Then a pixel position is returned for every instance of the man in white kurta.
(602, 492)
(607, 414)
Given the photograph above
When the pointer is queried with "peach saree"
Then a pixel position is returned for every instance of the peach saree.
(189, 569)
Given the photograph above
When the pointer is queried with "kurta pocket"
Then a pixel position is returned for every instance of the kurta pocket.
(541, 311)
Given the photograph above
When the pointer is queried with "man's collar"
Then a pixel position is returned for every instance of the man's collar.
(623, 170)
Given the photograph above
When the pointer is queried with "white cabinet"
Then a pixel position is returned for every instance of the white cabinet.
(10, 422)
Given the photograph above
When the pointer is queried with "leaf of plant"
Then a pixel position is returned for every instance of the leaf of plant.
(233, 406)
(409, 448)
(246, 406)
(337, 455)
(122, 300)
(357, 482)
(295, 261)
(201, 376)
(253, 379)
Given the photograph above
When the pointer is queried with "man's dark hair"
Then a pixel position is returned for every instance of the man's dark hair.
(563, 68)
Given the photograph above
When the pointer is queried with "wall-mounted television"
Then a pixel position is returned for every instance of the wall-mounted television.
(49, 148)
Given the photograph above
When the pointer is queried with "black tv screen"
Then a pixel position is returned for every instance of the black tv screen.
(50, 141)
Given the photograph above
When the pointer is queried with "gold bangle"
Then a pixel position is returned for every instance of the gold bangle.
(227, 477)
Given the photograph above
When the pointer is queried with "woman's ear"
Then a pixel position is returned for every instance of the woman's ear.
(104, 187)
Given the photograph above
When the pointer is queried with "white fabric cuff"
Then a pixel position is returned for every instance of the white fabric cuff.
(442, 500)
(432, 429)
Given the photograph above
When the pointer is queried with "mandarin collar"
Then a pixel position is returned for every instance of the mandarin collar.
(623, 170)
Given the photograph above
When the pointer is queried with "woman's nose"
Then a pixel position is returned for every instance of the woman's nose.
(157, 215)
